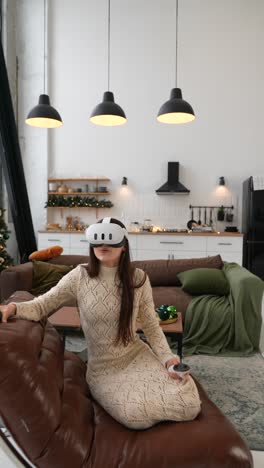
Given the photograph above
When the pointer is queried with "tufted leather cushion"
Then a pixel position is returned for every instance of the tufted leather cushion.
(161, 272)
(46, 404)
(164, 272)
(44, 395)
(69, 260)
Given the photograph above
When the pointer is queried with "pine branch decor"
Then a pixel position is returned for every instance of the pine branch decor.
(5, 259)
(77, 201)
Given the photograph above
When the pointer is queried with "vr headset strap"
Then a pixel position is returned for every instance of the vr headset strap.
(107, 220)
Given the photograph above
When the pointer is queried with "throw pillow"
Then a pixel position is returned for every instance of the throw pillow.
(204, 281)
(47, 275)
(46, 254)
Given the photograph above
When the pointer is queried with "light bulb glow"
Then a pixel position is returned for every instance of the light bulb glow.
(175, 118)
(42, 122)
(108, 120)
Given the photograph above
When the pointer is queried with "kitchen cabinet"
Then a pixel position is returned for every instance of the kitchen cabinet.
(72, 243)
(48, 239)
(79, 245)
(230, 248)
(155, 246)
(169, 247)
(162, 246)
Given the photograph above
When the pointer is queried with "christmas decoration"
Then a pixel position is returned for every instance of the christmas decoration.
(77, 201)
(5, 259)
(167, 313)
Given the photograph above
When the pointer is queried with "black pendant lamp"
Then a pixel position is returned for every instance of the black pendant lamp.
(44, 115)
(108, 113)
(176, 110)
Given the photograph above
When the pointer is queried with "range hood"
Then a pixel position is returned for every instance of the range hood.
(172, 186)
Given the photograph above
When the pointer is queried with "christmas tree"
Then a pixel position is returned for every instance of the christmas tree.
(5, 259)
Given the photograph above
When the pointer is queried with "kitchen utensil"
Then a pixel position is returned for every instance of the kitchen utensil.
(147, 225)
(229, 216)
(199, 216)
(134, 226)
(191, 221)
(211, 217)
(63, 188)
(53, 186)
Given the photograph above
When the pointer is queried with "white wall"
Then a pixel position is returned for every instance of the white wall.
(221, 74)
(33, 141)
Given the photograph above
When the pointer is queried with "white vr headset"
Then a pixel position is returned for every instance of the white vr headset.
(106, 233)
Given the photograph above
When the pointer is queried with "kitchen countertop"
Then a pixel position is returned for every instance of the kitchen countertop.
(211, 234)
(144, 233)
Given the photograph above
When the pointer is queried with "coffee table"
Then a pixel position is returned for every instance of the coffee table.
(67, 319)
(173, 330)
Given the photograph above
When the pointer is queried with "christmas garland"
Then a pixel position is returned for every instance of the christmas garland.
(5, 260)
(76, 201)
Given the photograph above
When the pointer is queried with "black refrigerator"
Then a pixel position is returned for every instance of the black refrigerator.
(253, 228)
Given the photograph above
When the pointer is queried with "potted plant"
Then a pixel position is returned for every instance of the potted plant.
(221, 213)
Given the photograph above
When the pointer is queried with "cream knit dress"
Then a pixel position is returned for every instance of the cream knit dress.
(130, 382)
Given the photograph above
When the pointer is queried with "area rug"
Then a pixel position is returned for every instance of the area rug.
(236, 386)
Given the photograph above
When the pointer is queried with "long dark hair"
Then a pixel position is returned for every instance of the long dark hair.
(126, 274)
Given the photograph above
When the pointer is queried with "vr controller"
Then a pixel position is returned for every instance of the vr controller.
(106, 233)
(180, 369)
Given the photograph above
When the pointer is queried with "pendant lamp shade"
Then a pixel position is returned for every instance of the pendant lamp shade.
(44, 115)
(108, 113)
(176, 110)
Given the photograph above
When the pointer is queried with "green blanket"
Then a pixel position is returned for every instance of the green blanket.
(228, 325)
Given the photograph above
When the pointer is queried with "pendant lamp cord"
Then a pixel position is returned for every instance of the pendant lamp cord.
(176, 49)
(44, 48)
(108, 82)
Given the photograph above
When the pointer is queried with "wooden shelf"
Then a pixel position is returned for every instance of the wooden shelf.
(77, 179)
(79, 193)
(79, 207)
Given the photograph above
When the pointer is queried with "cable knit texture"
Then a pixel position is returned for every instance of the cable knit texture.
(130, 382)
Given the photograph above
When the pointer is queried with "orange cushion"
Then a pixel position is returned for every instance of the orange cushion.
(46, 254)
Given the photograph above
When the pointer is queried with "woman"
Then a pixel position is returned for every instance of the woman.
(128, 378)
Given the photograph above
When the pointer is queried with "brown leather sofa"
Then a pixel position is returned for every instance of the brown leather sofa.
(162, 273)
(46, 404)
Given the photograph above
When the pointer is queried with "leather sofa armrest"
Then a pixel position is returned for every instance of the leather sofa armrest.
(17, 278)
(20, 296)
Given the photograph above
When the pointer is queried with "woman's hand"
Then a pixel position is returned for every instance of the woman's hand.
(172, 362)
(7, 311)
